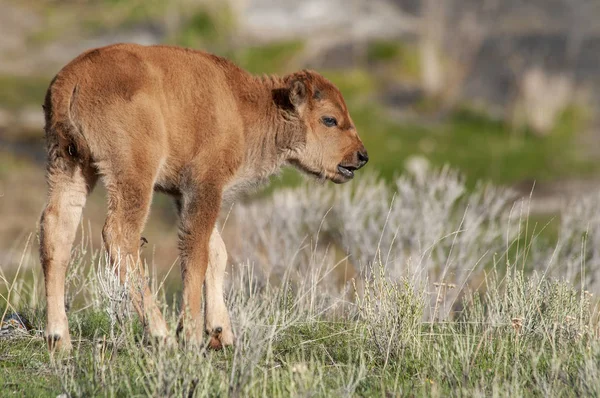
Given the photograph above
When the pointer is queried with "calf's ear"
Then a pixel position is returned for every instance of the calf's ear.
(297, 92)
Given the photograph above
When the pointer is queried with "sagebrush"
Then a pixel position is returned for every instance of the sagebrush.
(452, 292)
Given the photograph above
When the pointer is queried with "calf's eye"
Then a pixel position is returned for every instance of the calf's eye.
(329, 121)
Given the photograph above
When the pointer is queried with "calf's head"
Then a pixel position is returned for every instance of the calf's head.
(326, 141)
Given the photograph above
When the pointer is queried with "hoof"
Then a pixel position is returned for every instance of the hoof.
(219, 338)
(189, 338)
(57, 343)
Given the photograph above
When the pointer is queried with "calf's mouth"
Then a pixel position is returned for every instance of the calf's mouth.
(347, 171)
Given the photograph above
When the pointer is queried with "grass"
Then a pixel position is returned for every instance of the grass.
(482, 148)
(521, 322)
(269, 58)
(206, 28)
(400, 60)
(12, 163)
(19, 91)
(364, 351)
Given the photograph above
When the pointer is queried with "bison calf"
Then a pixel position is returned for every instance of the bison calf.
(192, 125)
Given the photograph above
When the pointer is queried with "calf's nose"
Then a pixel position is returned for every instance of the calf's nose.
(363, 157)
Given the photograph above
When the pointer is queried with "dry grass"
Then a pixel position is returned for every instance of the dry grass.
(454, 295)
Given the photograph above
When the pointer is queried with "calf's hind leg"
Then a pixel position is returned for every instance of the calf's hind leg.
(69, 184)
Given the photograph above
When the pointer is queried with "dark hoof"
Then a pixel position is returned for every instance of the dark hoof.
(215, 338)
(53, 340)
(215, 343)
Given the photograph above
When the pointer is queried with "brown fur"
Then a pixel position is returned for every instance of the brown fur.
(187, 123)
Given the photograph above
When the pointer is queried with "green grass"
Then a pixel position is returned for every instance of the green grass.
(24, 369)
(19, 91)
(11, 163)
(270, 58)
(207, 29)
(401, 60)
(362, 353)
(384, 50)
(481, 148)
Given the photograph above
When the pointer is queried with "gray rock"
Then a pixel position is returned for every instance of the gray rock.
(14, 325)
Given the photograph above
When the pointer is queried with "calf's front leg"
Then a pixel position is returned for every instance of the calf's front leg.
(216, 317)
(199, 211)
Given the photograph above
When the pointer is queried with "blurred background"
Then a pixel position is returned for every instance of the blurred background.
(506, 91)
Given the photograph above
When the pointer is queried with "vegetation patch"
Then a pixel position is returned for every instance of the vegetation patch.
(19, 91)
(453, 296)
